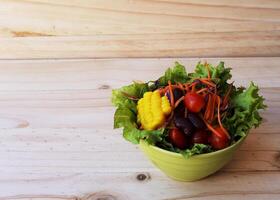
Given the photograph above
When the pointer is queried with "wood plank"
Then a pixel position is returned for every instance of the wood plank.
(34, 75)
(68, 150)
(57, 141)
(228, 3)
(94, 29)
(122, 186)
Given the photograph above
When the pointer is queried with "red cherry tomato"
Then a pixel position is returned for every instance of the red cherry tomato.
(200, 137)
(194, 102)
(178, 139)
(219, 142)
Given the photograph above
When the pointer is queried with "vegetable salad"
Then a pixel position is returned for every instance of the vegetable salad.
(188, 113)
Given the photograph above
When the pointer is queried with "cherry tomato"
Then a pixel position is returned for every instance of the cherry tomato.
(200, 137)
(219, 142)
(178, 139)
(194, 102)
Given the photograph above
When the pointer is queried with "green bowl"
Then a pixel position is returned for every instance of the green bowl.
(194, 168)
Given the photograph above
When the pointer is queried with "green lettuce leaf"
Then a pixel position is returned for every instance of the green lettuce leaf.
(125, 117)
(126, 114)
(176, 74)
(220, 75)
(196, 149)
(134, 135)
(136, 90)
(244, 111)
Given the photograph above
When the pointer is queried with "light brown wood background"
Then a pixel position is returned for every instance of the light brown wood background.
(142, 28)
(56, 135)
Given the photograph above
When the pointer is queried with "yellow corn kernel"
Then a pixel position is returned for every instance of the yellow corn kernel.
(166, 108)
(152, 110)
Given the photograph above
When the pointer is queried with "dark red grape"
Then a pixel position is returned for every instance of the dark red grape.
(200, 137)
(184, 124)
(179, 111)
(196, 121)
(177, 93)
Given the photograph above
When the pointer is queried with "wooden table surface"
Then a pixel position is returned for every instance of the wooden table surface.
(56, 119)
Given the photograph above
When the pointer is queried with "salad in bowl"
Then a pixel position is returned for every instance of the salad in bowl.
(188, 124)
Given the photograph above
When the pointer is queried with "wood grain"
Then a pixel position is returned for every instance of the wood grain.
(57, 141)
(138, 28)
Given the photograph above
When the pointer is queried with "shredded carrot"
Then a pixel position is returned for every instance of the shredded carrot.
(179, 101)
(207, 83)
(181, 86)
(171, 94)
(193, 83)
(193, 86)
(187, 86)
(219, 118)
(213, 130)
(167, 122)
(207, 110)
(205, 79)
(210, 108)
(163, 90)
(212, 114)
(176, 86)
(130, 96)
(201, 90)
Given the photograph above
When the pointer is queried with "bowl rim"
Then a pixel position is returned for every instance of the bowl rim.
(204, 155)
